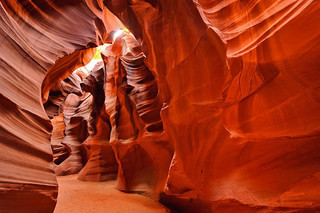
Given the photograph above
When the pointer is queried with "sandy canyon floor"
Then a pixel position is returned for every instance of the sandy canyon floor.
(77, 196)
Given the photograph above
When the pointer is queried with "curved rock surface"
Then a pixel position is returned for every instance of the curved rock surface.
(76, 110)
(143, 153)
(33, 36)
(101, 165)
(235, 82)
(60, 151)
(214, 104)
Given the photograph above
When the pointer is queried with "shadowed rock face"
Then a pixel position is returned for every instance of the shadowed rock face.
(60, 151)
(75, 115)
(143, 153)
(214, 104)
(101, 165)
(33, 36)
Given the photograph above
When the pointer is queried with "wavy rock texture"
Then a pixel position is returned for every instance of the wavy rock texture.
(60, 151)
(141, 146)
(101, 165)
(229, 88)
(235, 111)
(70, 130)
(33, 36)
(76, 110)
(59, 92)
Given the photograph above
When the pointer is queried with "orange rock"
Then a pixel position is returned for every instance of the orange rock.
(214, 104)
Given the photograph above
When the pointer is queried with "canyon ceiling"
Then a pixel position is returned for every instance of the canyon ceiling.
(207, 105)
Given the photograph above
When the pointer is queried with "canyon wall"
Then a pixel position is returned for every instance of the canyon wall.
(241, 99)
(33, 37)
(229, 88)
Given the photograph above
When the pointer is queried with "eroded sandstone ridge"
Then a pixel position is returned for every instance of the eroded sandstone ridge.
(114, 118)
(211, 104)
(33, 36)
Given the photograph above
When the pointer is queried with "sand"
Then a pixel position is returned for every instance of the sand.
(78, 196)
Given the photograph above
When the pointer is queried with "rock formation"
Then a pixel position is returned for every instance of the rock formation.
(141, 146)
(212, 105)
(34, 36)
(101, 165)
(243, 98)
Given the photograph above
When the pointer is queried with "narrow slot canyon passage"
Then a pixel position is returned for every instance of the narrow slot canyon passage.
(206, 106)
(93, 109)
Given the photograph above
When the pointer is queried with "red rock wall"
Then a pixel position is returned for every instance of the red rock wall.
(101, 165)
(237, 86)
(243, 114)
(142, 148)
(33, 36)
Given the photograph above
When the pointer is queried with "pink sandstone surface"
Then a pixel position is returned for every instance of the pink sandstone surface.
(203, 105)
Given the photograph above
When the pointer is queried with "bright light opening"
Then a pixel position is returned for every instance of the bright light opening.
(96, 61)
(117, 34)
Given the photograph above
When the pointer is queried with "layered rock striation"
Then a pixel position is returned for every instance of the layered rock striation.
(229, 77)
(211, 104)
